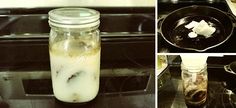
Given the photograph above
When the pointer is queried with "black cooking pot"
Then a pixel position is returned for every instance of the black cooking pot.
(231, 68)
(173, 31)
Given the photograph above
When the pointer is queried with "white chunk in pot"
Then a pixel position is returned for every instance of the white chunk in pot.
(192, 35)
(200, 28)
(204, 29)
(191, 25)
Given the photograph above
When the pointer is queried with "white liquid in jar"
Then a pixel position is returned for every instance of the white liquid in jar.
(75, 71)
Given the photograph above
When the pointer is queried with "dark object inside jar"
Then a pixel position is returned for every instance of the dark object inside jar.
(4, 105)
(73, 76)
(196, 97)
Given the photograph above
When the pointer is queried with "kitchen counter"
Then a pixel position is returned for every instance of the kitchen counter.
(221, 89)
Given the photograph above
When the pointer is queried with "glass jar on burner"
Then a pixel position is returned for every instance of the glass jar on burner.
(195, 81)
(74, 47)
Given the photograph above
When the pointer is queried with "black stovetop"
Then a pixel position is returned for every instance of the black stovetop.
(221, 90)
(221, 85)
(166, 6)
(128, 41)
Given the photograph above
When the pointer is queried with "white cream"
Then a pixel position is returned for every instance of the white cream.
(191, 24)
(75, 76)
(192, 35)
(200, 28)
(204, 29)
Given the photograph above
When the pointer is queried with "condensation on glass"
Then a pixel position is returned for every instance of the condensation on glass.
(74, 46)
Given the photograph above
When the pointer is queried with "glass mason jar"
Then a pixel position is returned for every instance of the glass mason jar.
(74, 47)
(194, 84)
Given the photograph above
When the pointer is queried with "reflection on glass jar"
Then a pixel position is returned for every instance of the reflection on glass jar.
(161, 62)
(195, 84)
(74, 47)
(234, 1)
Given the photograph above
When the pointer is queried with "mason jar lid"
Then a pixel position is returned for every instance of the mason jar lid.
(193, 62)
(194, 69)
(74, 17)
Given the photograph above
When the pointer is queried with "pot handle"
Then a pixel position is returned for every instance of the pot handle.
(159, 23)
(232, 17)
(228, 69)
